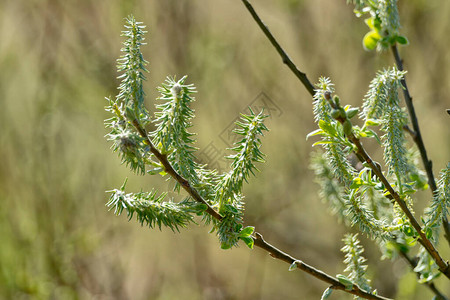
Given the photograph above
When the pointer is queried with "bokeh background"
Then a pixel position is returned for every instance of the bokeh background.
(57, 62)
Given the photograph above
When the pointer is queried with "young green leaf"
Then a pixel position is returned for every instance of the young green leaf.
(351, 112)
(371, 122)
(402, 40)
(293, 266)
(370, 40)
(247, 231)
(314, 133)
(326, 293)
(327, 127)
(248, 241)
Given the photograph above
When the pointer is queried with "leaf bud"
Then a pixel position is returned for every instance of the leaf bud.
(351, 112)
(336, 100)
(176, 89)
(347, 127)
(336, 113)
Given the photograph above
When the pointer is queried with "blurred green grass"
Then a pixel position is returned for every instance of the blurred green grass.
(58, 63)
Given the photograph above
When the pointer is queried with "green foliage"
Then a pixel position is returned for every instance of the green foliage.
(129, 103)
(132, 64)
(383, 21)
(394, 140)
(357, 197)
(426, 267)
(321, 107)
(128, 143)
(440, 205)
(334, 142)
(171, 146)
(326, 294)
(151, 210)
(360, 198)
(382, 94)
(355, 262)
(345, 281)
(228, 192)
(381, 106)
(172, 121)
(330, 188)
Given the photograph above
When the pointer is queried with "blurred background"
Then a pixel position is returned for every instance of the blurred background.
(58, 62)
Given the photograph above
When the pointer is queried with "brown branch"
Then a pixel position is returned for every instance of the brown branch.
(284, 56)
(417, 137)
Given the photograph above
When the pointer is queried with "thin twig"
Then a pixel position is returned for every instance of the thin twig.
(410, 131)
(335, 284)
(284, 56)
(417, 137)
(415, 123)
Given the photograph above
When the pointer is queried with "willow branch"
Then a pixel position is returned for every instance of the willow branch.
(172, 172)
(284, 56)
(361, 152)
(417, 137)
(258, 240)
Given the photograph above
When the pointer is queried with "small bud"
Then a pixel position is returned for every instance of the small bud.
(336, 100)
(351, 112)
(343, 112)
(127, 144)
(176, 89)
(336, 113)
(347, 127)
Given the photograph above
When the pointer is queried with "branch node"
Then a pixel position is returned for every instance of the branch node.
(410, 131)
(259, 236)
